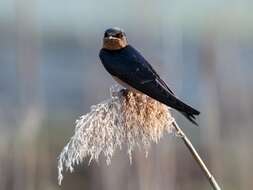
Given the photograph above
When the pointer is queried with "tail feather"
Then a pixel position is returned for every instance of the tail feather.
(161, 94)
(190, 117)
(186, 110)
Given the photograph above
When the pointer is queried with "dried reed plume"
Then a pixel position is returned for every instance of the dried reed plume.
(126, 118)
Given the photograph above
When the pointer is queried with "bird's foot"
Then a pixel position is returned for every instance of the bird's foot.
(123, 92)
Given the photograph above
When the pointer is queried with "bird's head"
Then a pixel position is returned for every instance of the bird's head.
(114, 39)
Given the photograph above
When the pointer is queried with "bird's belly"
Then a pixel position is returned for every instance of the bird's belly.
(122, 83)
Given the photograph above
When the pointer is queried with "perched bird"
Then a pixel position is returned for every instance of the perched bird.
(129, 68)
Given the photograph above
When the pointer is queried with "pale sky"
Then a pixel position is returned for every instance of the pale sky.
(83, 15)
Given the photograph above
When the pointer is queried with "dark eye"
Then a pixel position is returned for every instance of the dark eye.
(106, 35)
(119, 35)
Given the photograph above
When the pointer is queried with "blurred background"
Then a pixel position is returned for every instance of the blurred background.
(50, 74)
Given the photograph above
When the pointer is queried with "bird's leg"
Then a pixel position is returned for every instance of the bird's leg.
(123, 92)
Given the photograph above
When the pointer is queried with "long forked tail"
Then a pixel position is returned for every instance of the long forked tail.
(163, 95)
(186, 110)
(191, 117)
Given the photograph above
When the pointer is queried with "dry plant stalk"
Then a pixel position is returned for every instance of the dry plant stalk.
(196, 156)
(126, 118)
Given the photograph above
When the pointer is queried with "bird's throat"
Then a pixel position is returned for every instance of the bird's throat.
(114, 44)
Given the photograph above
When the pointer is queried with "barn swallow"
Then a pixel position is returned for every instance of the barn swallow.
(129, 68)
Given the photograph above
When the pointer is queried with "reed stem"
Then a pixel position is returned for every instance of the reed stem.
(197, 158)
